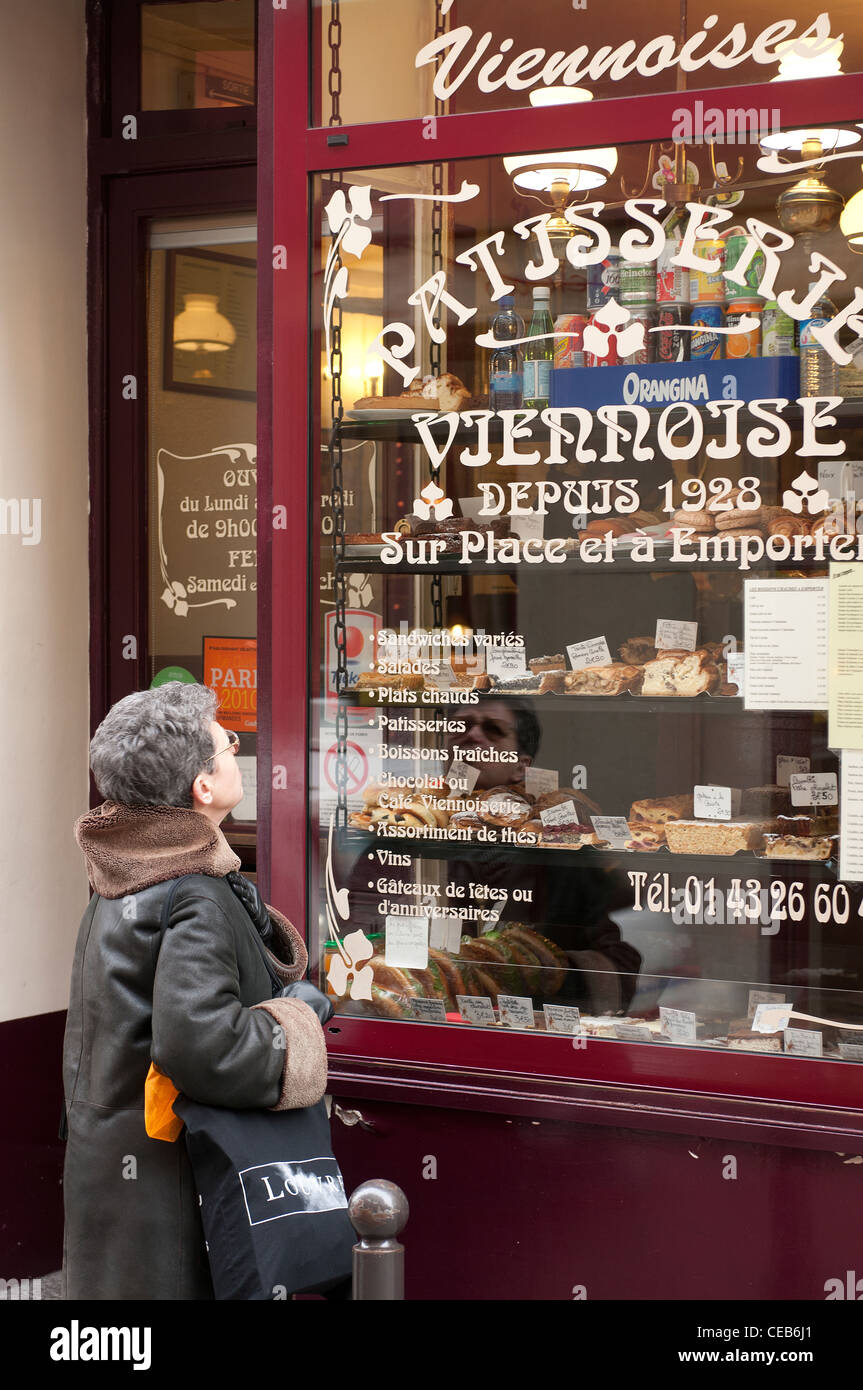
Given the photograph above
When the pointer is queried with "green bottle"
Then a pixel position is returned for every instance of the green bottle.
(538, 356)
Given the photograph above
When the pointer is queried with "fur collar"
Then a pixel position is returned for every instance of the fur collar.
(128, 848)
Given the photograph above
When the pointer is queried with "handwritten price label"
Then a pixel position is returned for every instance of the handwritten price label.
(771, 1018)
(673, 635)
(561, 1018)
(806, 1042)
(407, 942)
(505, 664)
(593, 652)
(515, 1011)
(715, 803)
(539, 780)
(462, 776)
(814, 789)
(475, 1009)
(678, 1025)
(615, 829)
(564, 814)
(429, 1010)
(786, 765)
(762, 996)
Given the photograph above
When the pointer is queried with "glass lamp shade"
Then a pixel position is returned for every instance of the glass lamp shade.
(851, 222)
(806, 141)
(201, 328)
(579, 169)
(575, 170)
(796, 65)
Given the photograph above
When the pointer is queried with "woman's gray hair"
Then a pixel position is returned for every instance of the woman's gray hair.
(150, 746)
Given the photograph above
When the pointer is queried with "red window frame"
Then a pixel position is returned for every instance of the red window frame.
(792, 1100)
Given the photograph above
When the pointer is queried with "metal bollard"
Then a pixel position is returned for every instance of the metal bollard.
(379, 1211)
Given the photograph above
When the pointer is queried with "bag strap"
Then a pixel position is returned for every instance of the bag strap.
(169, 903)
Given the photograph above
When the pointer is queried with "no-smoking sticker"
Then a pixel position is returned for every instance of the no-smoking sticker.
(357, 765)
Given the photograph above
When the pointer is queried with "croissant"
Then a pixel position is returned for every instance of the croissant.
(788, 525)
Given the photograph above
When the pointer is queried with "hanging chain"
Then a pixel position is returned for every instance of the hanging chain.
(437, 264)
(337, 493)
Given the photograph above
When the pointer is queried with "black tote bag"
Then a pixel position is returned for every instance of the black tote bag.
(273, 1202)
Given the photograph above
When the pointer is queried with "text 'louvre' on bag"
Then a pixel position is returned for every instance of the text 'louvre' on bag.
(273, 1201)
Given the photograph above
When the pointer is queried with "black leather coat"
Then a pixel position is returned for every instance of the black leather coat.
(132, 1224)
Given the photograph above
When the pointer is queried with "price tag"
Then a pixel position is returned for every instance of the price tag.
(475, 1009)
(735, 665)
(471, 508)
(786, 765)
(539, 780)
(505, 663)
(678, 1025)
(632, 1032)
(453, 936)
(437, 933)
(804, 1041)
(561, 1018)
(851, 1052)
(462, 776)
(615, 829)
(814, 789)
(429, 1010)
(715, 803)
(593, 652)
(672, 635)
(527, 528)
(563, 814)
(516, 1012)
(771, 1018)
(762, 996)
(407, 942)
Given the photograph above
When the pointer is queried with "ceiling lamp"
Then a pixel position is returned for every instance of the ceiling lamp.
(813, 61)
(564, 173)
(201, 328)
(851, 222)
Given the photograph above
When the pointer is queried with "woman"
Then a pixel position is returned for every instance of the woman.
(177, 963)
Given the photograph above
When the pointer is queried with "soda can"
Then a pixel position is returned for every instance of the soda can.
(603, 281)
(708, 286)
(647, 353)
(778, 337)
(748, 342)
(705, 344)
(637, 283)
(671, 344)
(612, 357)
(735, 245)
(672, 281)
(569, 352)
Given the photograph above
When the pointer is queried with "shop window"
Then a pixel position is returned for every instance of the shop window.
(197, 55)
(202, 470)
(563, 777)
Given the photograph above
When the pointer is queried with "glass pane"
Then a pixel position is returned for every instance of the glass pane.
(489, 57)
(197, 55)
(202, 470)
(579, 631)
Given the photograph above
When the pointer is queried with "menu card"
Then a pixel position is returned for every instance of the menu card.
(786, 626)
(845, 717)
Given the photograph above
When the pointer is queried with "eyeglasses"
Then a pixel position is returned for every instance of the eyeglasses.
(233, 744)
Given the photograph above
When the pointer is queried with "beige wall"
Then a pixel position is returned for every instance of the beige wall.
(43, 455)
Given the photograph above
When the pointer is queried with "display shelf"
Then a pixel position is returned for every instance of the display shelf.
(701, 865)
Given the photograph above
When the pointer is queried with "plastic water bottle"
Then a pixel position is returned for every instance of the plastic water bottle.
(539, 355)
(819, 374)
(506, 377)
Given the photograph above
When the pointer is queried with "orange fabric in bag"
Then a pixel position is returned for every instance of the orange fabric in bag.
(159, 1096)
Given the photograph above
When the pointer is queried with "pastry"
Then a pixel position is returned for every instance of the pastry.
(716, 837)
(787, 524)
(540, 664)
(600, 525)
(661, 810)
(447, 392)
(670, 674)
(739, 517)
(799, 846)
(401, 680)
(552, 683)
(602, 680)
(636, 650)
(501, 806)
(698, 521)
(765, 801)
(645, 837)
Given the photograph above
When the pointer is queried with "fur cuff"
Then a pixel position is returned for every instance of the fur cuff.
(304, 1077)
(289, 959)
